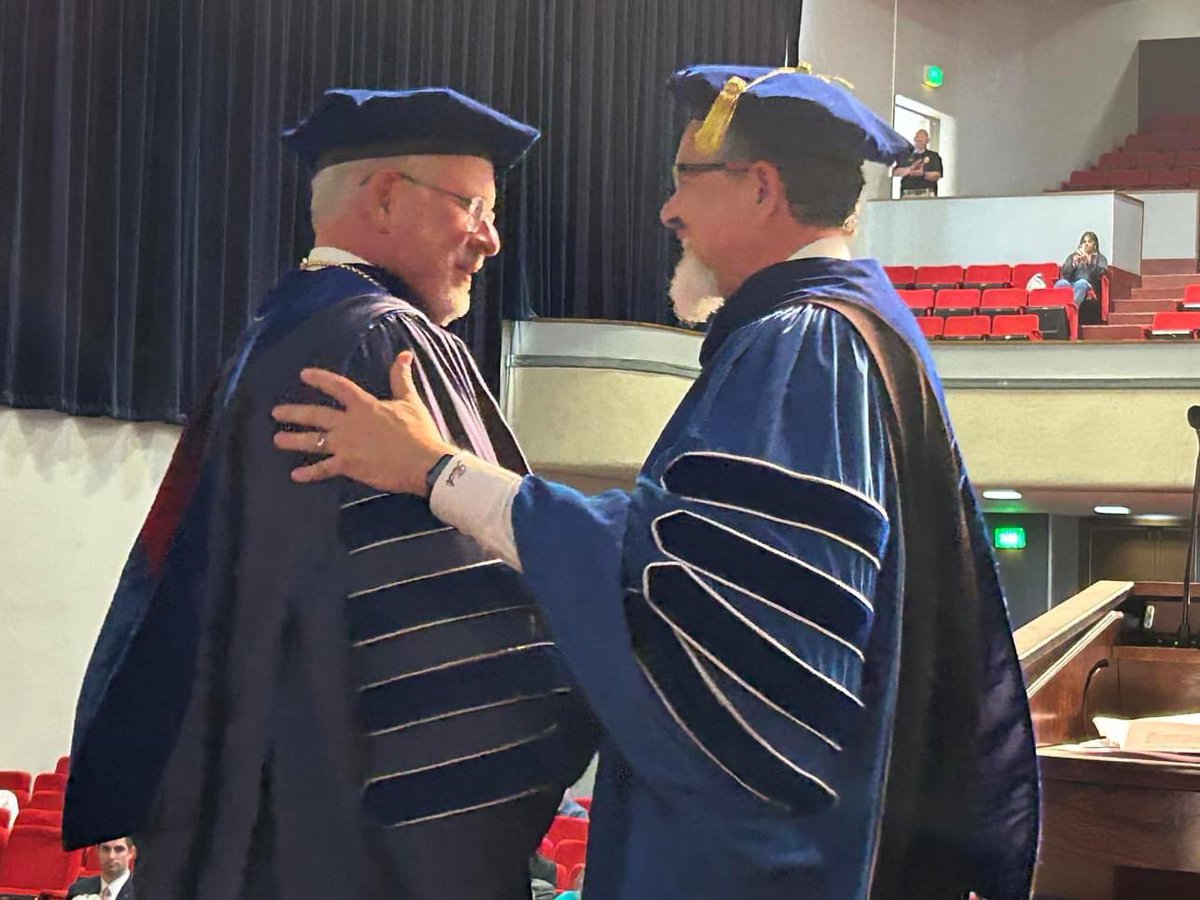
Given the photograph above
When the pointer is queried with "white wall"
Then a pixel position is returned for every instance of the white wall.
(1038, 87)
(1172, 224)
(73, 493)
(967, 230)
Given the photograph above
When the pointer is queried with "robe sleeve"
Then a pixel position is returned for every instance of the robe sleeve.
(717, 616)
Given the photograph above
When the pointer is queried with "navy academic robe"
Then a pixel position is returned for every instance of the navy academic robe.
(792, 629)
(293, 672)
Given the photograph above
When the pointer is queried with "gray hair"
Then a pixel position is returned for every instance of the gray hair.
(333, 186)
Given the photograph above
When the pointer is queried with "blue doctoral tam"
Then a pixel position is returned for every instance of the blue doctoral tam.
(360, 124)
(813, 112)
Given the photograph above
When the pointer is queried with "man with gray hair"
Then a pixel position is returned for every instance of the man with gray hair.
(286, 672)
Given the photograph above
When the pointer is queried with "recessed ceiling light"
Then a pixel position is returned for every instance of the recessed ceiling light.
(1002, 494)
(1157, 517)
(1112, 510)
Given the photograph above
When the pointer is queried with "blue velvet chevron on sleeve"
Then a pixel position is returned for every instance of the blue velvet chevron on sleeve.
(725, 616)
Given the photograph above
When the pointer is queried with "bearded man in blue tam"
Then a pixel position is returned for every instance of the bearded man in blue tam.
(329, 693)
(792, 628)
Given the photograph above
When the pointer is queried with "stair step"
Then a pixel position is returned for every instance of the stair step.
(1144, 306)
(1130, 318)
(1168, 267)
(1112, 333)
(1170, 281)
(1169, 293)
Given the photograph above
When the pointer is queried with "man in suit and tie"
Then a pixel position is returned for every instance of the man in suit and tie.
(115, 881)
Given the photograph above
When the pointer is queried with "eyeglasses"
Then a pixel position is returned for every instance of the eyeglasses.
(686, 168)
(476, 207)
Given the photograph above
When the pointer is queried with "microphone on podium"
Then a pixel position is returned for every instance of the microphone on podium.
(1185, 636)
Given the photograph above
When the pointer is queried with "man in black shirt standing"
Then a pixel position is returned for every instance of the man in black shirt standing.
(920, 173)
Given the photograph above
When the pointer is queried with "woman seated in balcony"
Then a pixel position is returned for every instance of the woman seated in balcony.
(1082, 270)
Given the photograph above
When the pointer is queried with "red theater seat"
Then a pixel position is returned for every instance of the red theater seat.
(1150, 159)
(1084, 179)
(32, 816)
(63, 766)
(903, 277)
(938, 277)
(1016, 328)
(573, 877)
(1022, 272)
(1191, 298)
(570, 853)
(50, 781)
(1162, 175)
(931, 326)
(920, 302)
(1175, 325)
(990, 276)
(20, 783)
(46, 800)
(1008, 299)
(1056, 310)
(966, 328)
(565, 828)
(90, 864)
(34, 861)
(1177, 179)
(956, 302)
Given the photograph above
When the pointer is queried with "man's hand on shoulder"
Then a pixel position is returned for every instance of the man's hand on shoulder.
(387, 444)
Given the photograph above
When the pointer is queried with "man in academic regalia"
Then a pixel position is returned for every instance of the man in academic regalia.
(791, 629)
(287, 674)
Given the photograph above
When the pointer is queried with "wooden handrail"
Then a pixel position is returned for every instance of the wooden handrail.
(1069, 619)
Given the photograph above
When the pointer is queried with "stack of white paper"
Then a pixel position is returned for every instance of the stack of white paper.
(1168, 734)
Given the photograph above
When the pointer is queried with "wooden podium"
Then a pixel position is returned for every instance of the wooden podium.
(1112, 828)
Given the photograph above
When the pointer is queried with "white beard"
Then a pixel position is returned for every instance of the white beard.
(694, 292)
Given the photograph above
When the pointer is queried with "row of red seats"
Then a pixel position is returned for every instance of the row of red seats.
(1168, 122)
(32, 861)
(566, 844)
(1005, 328)
(1188, 139)
(1148, 159)
(991, 275)
(24, 785)
(959, 301)
(1105, 179)
(1185, 324)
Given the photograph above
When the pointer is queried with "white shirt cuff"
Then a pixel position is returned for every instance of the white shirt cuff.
(476, 497)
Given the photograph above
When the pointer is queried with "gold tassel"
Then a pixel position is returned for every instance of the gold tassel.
(711, 134)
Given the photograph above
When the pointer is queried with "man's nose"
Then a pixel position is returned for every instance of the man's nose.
(667, 216)
(487, 238)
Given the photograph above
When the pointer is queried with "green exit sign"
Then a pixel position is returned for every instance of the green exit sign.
(934, 76)
(1010, 538)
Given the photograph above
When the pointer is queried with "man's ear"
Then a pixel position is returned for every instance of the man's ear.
(379, 199)
(771, 190)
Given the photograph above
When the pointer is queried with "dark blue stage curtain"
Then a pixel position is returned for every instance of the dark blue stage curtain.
(146, 203)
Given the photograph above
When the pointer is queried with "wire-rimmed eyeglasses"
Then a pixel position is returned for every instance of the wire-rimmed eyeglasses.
(475, 207)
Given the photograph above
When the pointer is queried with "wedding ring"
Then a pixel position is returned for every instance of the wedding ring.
(321, 440)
